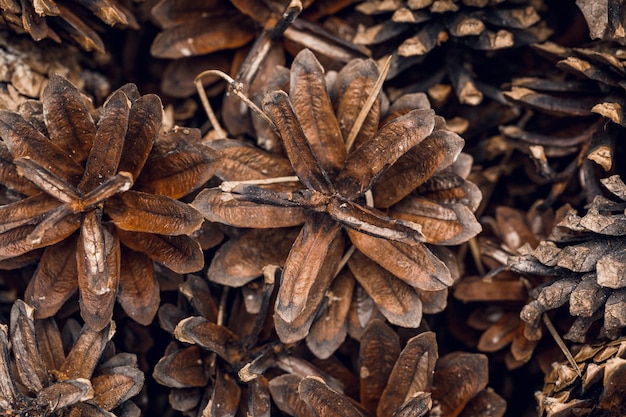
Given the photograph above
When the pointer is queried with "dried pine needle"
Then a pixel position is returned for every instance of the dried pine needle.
(358, 123)
(559, 341)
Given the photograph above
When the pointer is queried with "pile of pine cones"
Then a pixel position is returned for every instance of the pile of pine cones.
(312, 208)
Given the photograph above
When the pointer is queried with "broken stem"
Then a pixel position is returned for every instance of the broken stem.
(237, 88)
(221, 310)
(344, 259)
(358, 123)
(475, 250)
(369, 200)
(557, 338)
(221, 134)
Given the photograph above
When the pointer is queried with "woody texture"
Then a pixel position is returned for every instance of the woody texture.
(312, 208)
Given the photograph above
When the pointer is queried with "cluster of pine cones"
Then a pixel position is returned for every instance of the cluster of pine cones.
(312, 208)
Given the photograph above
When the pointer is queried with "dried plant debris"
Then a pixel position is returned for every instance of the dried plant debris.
(410, 30)
(564, 130)
(101, 199)
(596, 388)
(61, 19)
(44, 372)
(395, 381)
(393, 187)
(583, 255)
(219, 34)
(596, 87)
(215, 369)
(500, 294)
(25, 69)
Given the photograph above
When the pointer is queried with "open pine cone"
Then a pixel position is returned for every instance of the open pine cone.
(391, 185)
(394, 381)
(459, 29)
(45, 377)
(213, 367)
(596, 87)
(219, 34)
(567, 107)
(585, 258)
(497, 297)
(480, 24)
(58, 19)
(101, 199)
(598, 391)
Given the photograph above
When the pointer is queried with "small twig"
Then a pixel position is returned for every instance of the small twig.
(237, 88)
(557, 338)
(344, 259)
(358, 123)
(369, 198)
(475, 250)
(221, 310)
(221, 134)
(489, 276)
(292, 11)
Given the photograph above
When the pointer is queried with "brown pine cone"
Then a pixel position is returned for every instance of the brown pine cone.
(101, 198)
(495, 299)
(584, 256)
(564, 129)
(594, 387)
(69, 20)
(219, 34)
(394, 187)
(41, 375)
(215, 365)
(25, 68)
(413, 31)
(409, 381)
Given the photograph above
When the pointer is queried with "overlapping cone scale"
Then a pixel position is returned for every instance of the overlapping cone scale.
(341, 159)
(584, 258)
(94, 200)
(40, 375)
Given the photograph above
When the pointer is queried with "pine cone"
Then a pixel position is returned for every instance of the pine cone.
(597, 391)
(413, 30)
(218, 35)
(101, 199)
(214, 366)
(498, 297)
(62, 19)
(565, 131)
(423, 25)
(25, 69)
(596, 88)
(407, 160)
(584, 256)
(43, 377)
(412, 381)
